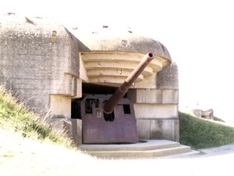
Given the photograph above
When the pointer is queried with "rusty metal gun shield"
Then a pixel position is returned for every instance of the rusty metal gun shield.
(119, 127)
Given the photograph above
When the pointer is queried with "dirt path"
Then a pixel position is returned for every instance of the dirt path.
(26, 157)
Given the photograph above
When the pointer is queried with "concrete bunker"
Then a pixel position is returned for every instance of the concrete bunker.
(50, 67)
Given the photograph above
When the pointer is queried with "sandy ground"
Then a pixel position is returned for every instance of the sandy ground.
(27, 157)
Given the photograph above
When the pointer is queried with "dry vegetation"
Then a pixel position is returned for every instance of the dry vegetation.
(14, 115)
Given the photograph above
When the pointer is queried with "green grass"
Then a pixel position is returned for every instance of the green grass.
(201, 133)
(14, 115)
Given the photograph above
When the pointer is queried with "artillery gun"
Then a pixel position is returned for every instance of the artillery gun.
(111, 118)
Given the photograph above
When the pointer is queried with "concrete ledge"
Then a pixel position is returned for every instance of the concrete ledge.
(143, 145)
(144, 110)
(154, 96)
(150, 148)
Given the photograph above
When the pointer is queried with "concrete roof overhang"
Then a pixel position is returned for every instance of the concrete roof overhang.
(108, 55)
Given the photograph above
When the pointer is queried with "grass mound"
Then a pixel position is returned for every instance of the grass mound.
(14, 115)
(201, 133)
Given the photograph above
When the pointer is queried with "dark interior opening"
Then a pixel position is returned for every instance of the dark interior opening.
(91, 103)
(76, 108)
(126, 108)
(89, 88)
(109, 117)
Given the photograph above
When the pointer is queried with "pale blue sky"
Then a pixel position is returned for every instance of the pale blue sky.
(198, 34)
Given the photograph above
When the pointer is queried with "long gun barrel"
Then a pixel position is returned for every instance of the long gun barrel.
(121, 91)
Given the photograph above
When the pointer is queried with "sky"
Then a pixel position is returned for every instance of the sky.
(199, 35)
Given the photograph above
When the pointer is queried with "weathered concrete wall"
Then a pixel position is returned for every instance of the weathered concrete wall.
(38, 58)
(156, 105)
(73, 128)
(168, 77)
(158, 128)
